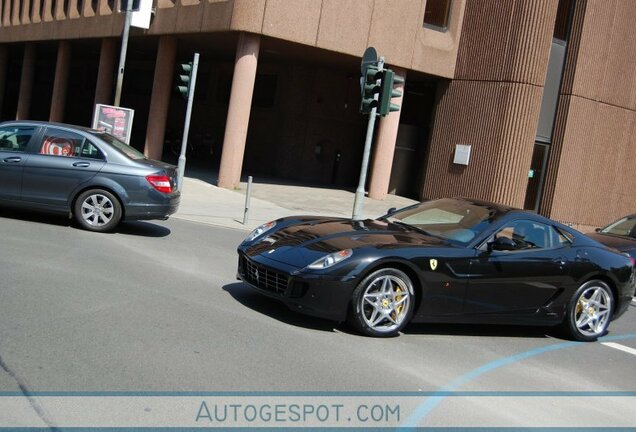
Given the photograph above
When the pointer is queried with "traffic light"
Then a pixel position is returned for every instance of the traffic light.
(183, 79)
(389, 80)
(370, 86)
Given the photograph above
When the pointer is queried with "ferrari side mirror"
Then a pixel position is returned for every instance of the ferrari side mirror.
(391, 210)
(597, 229)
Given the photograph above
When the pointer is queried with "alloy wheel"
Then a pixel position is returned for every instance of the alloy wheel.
(97, 210)
(592, 311)
(385, 303)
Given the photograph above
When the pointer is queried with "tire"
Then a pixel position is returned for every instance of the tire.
(97, 210)
(382, 304)
(589, 312)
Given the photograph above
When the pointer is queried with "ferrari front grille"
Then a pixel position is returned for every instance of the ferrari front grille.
(263, 277)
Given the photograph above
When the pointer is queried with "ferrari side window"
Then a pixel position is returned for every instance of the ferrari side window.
(527, 235)
(560, 238)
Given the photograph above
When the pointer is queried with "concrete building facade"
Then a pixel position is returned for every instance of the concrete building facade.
(543, 91)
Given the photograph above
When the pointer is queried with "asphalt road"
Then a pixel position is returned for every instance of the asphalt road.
(156, 307)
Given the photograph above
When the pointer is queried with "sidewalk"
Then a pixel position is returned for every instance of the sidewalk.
(206, 203)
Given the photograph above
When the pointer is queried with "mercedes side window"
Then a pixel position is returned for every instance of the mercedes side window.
(15, 138)
(57, 142)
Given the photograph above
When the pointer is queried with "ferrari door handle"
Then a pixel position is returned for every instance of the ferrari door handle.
(12, 159)
(81, 164)
(559, 261)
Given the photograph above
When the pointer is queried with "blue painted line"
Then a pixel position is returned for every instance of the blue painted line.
(322, 429)
(429, 404)
(419, 394)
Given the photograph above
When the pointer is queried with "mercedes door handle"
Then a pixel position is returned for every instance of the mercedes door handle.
(81, 164)
(12, 159)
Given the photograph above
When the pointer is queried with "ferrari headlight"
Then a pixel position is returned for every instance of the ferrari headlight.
(330, 260)
(260, 230)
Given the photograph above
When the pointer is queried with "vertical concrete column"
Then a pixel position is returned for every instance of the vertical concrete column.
(238, 115)
(4, 61)
(385, 146)
(106, 72)
(60, 84)
(160, 99)
(26, 82)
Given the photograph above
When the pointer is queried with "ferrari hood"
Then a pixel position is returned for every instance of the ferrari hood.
(303, 243)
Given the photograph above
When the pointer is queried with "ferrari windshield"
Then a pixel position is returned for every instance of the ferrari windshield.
(451, 219)
(624, 227)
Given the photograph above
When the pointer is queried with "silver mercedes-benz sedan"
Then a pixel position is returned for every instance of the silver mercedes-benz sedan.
(82, 172)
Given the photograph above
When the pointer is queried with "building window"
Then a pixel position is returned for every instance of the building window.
(562, 23)
(436, 14)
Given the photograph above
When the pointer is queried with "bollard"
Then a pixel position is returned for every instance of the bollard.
(248, 194)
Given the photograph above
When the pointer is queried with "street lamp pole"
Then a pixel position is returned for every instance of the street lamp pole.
(122, 52)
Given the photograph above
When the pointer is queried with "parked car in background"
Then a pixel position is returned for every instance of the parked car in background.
(86, 173)
(447, 260)
(620, 235)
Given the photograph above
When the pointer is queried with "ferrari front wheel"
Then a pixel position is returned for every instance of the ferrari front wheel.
(382, 304)
(590, 311)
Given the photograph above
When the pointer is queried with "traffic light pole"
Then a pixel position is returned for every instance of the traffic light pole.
(358, 202)
(122, 52)
(186, 126)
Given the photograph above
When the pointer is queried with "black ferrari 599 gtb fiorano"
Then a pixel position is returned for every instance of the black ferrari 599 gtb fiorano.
(447, 260)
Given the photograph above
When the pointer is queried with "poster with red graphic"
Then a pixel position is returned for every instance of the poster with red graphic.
(114, 120)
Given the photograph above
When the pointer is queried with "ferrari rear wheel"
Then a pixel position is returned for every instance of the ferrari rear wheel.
(382, 303)
(590, 311)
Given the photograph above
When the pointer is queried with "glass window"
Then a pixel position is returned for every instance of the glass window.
(623, 227)
(451, 219)
(527, 235)
(436, 14)
(561, 238)
(561, 25)
(119, 145)
(15, 138)
(68, 144)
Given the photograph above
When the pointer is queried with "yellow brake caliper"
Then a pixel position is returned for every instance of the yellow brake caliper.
(398, 310)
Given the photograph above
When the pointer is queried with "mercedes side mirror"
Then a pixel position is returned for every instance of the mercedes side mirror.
(391, 210)
(502, 244)
(598, 229)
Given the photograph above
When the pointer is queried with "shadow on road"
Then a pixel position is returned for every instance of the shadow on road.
(142, 229)
(277, 310)
(133, 228)
(489, 330)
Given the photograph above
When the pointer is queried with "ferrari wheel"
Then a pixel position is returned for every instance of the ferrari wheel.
(97, 210)
(590, 311)
(383, 303)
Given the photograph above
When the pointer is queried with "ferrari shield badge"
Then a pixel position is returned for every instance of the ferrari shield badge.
(433, 263)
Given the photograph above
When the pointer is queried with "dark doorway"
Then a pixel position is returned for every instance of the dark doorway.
(412, 139)
(536, 176)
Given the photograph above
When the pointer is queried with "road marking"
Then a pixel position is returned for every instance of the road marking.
(620, 347)
(431, 402)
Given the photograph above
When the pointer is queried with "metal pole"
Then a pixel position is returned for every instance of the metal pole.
(122, 52)
(248, 196)
(358, 202)
(186, 126)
